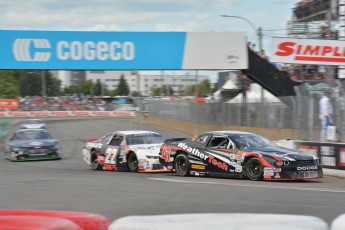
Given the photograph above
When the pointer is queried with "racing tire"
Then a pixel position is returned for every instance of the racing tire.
(254, 169)
(182, 165)
(132, 162)
(95, 165)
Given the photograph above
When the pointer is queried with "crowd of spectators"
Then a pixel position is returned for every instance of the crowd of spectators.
(65, 103)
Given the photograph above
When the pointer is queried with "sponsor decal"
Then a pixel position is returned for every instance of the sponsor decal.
(9, 104)
(194, 137)
(193, 166)
(72, 50)
(22, 49)
(277, 175)
(327, 156)
(238, 169)
(342, 157)
(166, 154)
(219, 164)
(306, 168)
(238, 155)
(233, 57)
(193, 151)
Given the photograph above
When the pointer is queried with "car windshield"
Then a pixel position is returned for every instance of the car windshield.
(243, 141)
(32, 135)
(33, 122)
(144, 139)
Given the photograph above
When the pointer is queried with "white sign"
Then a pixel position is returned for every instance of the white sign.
(308, 51)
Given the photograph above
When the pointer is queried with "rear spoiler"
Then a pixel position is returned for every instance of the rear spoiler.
(169, 141)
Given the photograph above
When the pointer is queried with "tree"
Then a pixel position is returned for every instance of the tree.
(136, 94)
(8, 85)
(98, 88)
(53, 85)
(123, 88)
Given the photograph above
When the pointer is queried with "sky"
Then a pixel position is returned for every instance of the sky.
(150, 15)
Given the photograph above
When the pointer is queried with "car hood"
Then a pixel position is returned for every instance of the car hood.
(283, 153)
(34, 143)
(146, 149)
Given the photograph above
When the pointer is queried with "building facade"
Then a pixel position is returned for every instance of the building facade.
(137, 81)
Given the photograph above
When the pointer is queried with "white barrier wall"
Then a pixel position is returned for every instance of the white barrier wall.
(338, 223)
(222, 221)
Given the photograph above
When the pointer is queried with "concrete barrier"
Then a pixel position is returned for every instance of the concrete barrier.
(338, 223)
(222, 221)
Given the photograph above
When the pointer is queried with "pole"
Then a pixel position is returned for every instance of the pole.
(261, 53)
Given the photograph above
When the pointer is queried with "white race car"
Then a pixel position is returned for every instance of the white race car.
(33, 124)
(135, 151)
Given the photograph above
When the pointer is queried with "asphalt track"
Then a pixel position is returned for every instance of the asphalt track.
(69, 184)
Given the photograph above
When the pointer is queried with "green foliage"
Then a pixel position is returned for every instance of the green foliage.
(203, 88)
(123, 88)
(8, 85)
(98, 88)
(136, 94)
(165, 90)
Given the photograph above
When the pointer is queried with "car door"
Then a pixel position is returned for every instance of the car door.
(103, 143)
(113, 148)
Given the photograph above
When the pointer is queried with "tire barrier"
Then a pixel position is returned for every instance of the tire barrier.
(221, 221)
(36, 223)
(86, 221)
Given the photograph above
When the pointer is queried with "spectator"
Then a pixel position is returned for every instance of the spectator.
(321, 70)
(326, 113)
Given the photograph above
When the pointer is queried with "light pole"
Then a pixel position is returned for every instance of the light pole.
(258, 31)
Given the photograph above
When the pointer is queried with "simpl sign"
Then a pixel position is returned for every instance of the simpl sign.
(308, 51)
(122, 50)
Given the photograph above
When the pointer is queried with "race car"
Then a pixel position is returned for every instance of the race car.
(237, 154)
(134, 151)
(33, 124)
(31, 144)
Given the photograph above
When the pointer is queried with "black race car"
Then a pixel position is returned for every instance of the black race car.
(237, 154)
(31, 144)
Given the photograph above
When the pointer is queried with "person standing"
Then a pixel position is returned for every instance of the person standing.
(326, 113)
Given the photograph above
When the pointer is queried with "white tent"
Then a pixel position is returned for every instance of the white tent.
(229, 85)
(254, 95)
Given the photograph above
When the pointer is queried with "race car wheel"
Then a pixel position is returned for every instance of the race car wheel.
(182, 165)
(254, 169)
(132, 162)
(95, 165)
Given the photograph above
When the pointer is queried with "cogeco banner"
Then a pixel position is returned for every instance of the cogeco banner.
(122, 50)
(308, 51)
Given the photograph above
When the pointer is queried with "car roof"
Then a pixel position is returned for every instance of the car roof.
(228, 132)
(24, 130)
(131, 132)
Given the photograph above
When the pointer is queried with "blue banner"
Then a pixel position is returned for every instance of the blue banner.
(64, 50)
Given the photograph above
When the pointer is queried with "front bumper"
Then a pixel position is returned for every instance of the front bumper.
(34, 155)
(292, 173)
(151, 165)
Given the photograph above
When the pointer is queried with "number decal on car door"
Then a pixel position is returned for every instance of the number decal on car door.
(110, 155)
(166, 154)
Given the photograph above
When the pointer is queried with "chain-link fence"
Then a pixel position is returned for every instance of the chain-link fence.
(300, 112)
